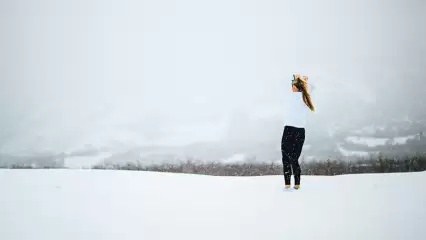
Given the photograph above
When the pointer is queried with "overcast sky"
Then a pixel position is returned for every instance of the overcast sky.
(176, 72)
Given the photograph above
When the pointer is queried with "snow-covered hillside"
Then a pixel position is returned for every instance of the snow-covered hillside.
(85, 161)
(89, 204)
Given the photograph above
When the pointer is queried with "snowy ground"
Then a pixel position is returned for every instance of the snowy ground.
(88, 204)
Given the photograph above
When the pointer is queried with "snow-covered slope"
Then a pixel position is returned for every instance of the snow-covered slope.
(89, 204)
(85, 161)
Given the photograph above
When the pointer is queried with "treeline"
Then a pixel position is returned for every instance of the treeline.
(380, 164)
(29, 166)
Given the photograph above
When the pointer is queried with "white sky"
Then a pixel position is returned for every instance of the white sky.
(176, 72)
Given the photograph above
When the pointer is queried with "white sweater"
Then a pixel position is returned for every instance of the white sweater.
(296, 111)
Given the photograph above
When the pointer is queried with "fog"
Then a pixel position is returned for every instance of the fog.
(173, 73)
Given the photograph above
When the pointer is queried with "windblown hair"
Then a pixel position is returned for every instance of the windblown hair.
(302, 85)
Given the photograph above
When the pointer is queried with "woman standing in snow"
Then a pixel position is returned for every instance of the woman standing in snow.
(299, 104)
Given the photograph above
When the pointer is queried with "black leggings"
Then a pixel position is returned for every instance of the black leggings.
(291, 148)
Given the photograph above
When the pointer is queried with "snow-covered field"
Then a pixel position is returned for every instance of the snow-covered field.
(89, 204)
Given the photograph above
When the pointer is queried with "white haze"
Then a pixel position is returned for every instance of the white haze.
(178, 72)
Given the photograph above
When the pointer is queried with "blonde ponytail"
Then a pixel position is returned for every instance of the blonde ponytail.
(303, 87)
